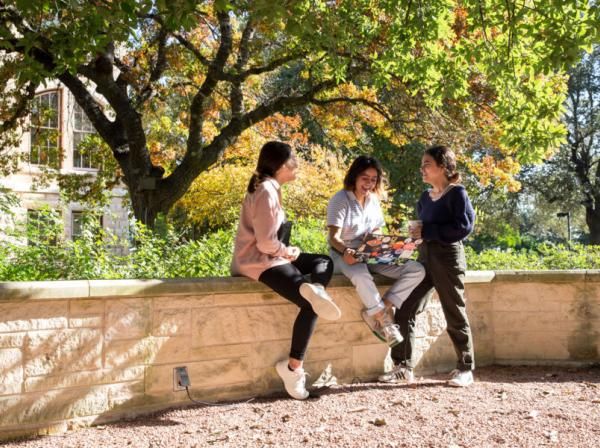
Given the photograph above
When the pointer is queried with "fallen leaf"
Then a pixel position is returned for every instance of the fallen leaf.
(286, 418)
(379, 422)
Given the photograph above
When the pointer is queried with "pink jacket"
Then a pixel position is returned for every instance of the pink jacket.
(256, 245)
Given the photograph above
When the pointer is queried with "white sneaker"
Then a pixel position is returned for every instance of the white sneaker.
(385, 330)
(461, 378)
(399, 374)
(293, 380)
(322, 304)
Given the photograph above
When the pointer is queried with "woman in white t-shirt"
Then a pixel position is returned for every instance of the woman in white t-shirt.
(352, 213)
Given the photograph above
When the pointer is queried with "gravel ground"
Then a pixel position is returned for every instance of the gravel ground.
(507, 407)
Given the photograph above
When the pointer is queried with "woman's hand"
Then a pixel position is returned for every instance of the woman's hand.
(349, 257)
(293, 253)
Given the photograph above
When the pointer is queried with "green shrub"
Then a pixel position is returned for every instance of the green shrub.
(166, 255)
(544, 256)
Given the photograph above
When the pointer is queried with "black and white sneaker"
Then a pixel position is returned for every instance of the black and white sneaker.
(399, 374)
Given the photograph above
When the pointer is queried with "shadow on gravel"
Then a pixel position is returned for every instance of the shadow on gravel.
(548, 374)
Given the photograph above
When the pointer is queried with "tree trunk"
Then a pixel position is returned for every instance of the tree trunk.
(592, 218)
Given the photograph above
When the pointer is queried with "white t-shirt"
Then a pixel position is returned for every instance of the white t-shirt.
(344, 211)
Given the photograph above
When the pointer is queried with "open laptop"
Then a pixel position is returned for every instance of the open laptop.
(386, 249)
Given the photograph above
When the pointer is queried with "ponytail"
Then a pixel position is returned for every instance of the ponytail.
(256, 179)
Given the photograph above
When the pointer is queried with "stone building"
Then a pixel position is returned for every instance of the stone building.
(50, 139)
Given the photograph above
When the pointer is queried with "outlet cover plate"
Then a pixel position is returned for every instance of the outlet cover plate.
(181, 379)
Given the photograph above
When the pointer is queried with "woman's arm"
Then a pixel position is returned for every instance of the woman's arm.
(335, 241)
(459, 224)
(265, 224)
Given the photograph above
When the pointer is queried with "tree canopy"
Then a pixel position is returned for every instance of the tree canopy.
(216, 68)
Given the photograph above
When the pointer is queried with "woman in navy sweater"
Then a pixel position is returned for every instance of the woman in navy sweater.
(447, 218)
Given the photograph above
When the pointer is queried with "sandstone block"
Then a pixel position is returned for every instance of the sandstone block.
(341, 369)
(11, 371)
(86, 322)
(8, 340)
(220, 351)
(202, 374)
(267, 354)
(268, 298)
(531, 296)
(125, 395)
(127, 318)
(368, 360)
(53, 352)
(217, 326)
(85, 378)
(52, 406)
(521, 345)
(25, 316)
(172, 321)
(528, 321)
(346, 333)
(86, 307)
(119, 354)
(185, 302)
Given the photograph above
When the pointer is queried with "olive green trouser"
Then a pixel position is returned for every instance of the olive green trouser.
(445, 267)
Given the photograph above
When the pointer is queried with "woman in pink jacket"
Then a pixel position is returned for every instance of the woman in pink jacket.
(261, 255)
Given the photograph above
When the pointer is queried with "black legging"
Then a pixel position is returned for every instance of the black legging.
(286, 280)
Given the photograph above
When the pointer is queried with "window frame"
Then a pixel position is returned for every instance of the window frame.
(78, 157)
(55, 164)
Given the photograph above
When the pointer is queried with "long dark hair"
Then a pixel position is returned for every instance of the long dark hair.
(445, 158)
(272, 156)
(360, 165)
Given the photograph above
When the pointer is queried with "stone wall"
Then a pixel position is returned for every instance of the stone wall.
(86, 352)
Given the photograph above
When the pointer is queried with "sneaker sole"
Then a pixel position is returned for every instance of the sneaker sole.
(453, 384)
(398, 381)
(322, 307)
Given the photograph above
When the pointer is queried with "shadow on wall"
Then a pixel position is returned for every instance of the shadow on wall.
(91, 360)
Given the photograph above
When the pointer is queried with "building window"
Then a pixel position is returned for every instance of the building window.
(42, 227)
(82, 128)
(77, 223)
(45, 130)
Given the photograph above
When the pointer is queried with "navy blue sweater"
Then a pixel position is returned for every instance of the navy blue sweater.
(449, 219)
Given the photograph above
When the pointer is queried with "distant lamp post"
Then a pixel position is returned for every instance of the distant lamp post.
(568, 215)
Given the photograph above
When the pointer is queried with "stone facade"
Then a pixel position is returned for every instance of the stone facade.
(34, 197)
(86, 352)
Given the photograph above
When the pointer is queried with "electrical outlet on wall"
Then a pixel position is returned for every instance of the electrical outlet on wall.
(181, 379)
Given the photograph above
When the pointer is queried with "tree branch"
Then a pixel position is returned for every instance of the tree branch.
(237, 97)
(187, 44)
(20, 109)
(157, 70)
(215, 71)
(379, 108)
(198, 159)
(108, 130)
